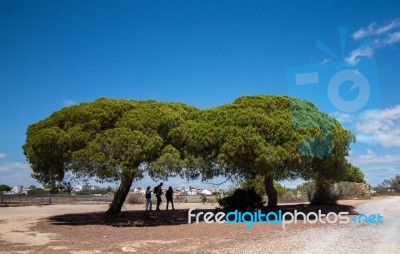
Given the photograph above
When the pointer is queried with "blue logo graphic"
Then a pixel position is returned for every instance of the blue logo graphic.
(368, 219)
(340, 85)
(282, 218)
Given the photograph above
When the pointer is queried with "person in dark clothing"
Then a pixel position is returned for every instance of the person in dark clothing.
(158, 195)
(169, 194)
(148, 199)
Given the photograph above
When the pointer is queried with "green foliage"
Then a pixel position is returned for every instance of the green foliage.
(106, 139)
(280, 189)
(395, 183)
(115, 150)
(353, 174)
(325, 194)
(289, 196)
(257, 184)
(242, 200)
(121, 140)
(38, 191)
(389, 186)
(306, 189)
(319, 193)
(254, 136)
(4, 187)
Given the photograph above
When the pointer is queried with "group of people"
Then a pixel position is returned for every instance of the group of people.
(158, 191)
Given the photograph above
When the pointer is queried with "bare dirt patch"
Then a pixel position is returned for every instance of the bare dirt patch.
(85, 229)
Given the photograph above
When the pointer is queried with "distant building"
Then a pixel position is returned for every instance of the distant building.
(206, 192)
(139, 190)
(84, 187)
(17, 189)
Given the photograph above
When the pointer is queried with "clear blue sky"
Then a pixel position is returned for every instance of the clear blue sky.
(204, 53)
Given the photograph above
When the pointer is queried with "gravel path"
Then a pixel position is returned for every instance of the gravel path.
(346, 238)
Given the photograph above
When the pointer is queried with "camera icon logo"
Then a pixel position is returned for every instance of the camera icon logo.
(359, 80)
(337, 86)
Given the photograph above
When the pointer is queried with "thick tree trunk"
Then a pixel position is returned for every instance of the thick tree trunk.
(271, 192)
(120, 195)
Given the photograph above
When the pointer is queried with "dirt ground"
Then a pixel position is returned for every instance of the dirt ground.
(85, 229)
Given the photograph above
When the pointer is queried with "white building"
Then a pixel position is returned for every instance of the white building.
(84, 187)
(17, 189)
(140, 190)
(206, 192)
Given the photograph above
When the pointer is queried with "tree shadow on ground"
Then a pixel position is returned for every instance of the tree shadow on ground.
(176, 217)
(126, 218)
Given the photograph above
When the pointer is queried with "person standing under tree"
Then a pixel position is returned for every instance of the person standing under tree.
(169, 195)
(149, 203)
(158, 191)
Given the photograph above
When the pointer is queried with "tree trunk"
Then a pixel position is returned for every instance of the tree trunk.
(271, 192)
(120, 195)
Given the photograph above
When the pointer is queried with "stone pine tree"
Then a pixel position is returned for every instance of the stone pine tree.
(120, 140)
(110, 140)
(257, 136)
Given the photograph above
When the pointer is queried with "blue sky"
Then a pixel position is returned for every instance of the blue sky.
(204, 53)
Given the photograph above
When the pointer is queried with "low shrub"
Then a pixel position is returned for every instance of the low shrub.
(330, 193)
(38, 191)
(351, 190)
(289, 197)
(242, 200)
(136, 198)
(325, 194)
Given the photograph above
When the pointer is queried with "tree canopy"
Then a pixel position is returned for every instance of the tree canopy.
(353, 174)
(108, 139)
(261, 136)
(275, 137)
(4, 187)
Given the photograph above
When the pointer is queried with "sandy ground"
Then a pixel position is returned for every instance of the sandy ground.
(85, 229)
(18, 223)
